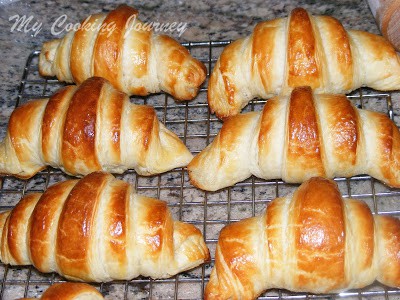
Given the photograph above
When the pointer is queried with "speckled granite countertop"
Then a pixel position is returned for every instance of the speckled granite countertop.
(207, 20)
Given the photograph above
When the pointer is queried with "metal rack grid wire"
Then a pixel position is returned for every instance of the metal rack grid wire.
(209, 211)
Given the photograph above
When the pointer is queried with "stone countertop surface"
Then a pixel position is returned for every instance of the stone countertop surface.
(206, 20)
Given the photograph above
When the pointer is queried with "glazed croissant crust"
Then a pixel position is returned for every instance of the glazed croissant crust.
(298, 137)
(296, 51)
(70, 291)
(312, 241)
(121, 49)
(97, 229)
(89, 128)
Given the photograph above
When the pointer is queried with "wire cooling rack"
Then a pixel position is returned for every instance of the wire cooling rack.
(209, 211)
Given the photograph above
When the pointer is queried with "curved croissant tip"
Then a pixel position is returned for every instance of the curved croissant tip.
(47, 57)
(190, 244)
(7, 167)
(192, 78)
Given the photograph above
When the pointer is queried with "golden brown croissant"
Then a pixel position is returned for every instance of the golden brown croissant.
(89, 128)
(98, 229)
(300, 50)
(298, 137)
(312, 241)
(70, 291)
(117, 46)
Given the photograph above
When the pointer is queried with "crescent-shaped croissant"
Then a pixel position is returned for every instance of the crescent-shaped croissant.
(121, 49)
(297, 137)
(296, 51)
(89, 128)
(97, 229)
(312, 241)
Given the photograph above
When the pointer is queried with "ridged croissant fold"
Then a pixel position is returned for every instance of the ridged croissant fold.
(121, 49)
(89, 128)
(97, 229)
(296, 51)
(312, 241)
(298, 137)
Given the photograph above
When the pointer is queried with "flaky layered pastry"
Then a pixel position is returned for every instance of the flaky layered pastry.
(70, 291)
(300, 50)
(120, 48)
(97, 229)
(89, 128)
(298, 137)
(312, 241)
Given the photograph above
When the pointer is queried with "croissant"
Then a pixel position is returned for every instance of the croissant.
(89, 128)
(97, 229)
(312, 241)
(121, 49)
(296, 51)
(70, 291)
(298, 137)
